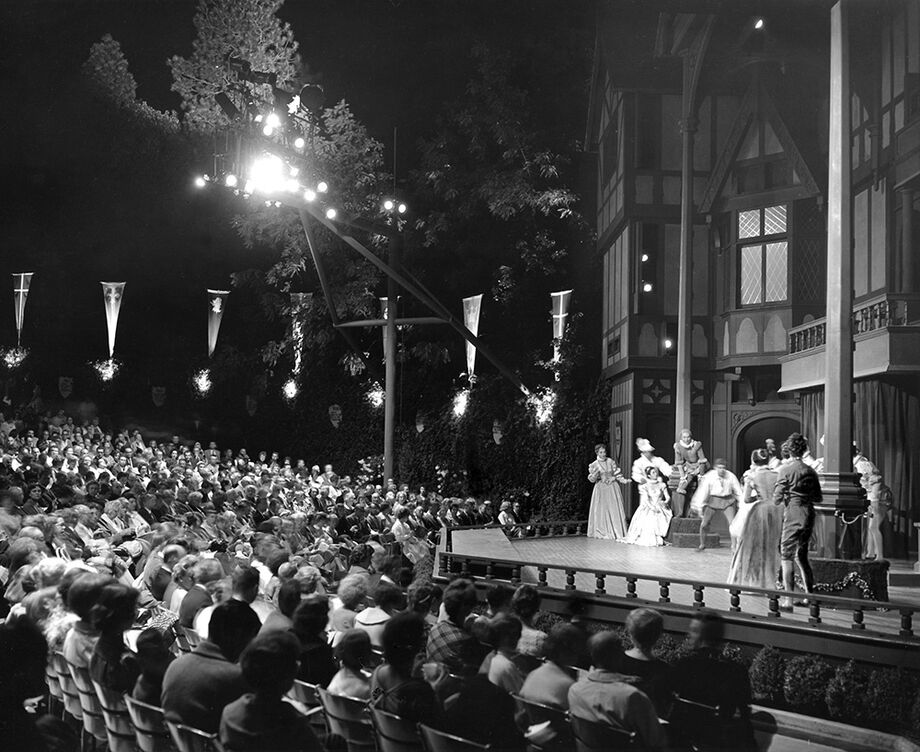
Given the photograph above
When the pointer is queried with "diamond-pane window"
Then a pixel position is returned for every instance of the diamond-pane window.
(749, 224)
(775, 276)
(774, 220)
(751, 274)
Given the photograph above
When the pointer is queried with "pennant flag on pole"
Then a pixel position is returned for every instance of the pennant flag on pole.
(216, 304)
(384, 310)
(21, 282)
(299, 300)
(561, 302)
(112, 293)
(472, 307)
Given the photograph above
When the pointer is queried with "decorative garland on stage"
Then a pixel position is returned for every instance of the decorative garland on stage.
(850, 580)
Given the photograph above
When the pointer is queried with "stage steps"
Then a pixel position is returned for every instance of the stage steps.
(685, 533)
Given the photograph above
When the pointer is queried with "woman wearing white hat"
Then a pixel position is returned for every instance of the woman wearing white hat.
(607, 516)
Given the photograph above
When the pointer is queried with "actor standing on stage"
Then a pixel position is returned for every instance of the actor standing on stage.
(718, 491)
(650, 523)
(798, 488)
(607, 516)
(756, 528)
(689, 464)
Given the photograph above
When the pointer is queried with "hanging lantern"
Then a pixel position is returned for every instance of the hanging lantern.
(217, 300)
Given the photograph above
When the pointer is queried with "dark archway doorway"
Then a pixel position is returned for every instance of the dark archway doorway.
(753, 436)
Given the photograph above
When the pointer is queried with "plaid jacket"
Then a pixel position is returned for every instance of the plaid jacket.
(458, 650)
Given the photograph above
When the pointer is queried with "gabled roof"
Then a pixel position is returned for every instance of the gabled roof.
(756, 107)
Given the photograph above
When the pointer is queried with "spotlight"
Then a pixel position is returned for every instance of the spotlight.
(299, 143)
(202, 382)
(388, 205)
(312, 97)
(542, 405)
(376, 396)
(200, 182)
(322, 186)
(644, 257)
(267, 130)
(295, 171)
(461, 401)
(647, 287)
(231, 180)
(758, 24)
(290, 390)
(267, 174)
(273, 120)
(14, 357)
(249, 187)
(668, 344)
(292, 185)
(258, 118)
(309, 195)
(331, 213)
(402, 208)
(106, 369)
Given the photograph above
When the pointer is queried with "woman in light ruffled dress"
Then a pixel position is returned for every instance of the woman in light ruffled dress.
(607, 516)
(650, 523)
(755, 530)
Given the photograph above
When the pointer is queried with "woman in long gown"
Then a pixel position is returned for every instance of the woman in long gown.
(607, 516)
(650, 523)
(755, 531)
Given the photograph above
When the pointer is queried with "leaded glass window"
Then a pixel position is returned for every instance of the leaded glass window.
(763, 267)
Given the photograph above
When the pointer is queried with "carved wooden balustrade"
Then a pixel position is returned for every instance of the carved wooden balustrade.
(881, 312)
(742, 600)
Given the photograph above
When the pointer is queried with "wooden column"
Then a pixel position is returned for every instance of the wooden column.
(683, 381)
(389, 405)
(842, 492)
(907, 240)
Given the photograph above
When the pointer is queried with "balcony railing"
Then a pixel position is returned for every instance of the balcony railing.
(881, 312)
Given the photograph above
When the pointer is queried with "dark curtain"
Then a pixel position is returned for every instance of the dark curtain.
(886, 427)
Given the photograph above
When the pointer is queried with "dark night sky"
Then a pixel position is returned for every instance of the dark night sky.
(396, 63)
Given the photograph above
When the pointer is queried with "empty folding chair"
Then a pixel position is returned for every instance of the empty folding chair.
(150, 730)
(118, 726)
(395, 734)
(347, 717)
(93, 722)
(438, 741)
(188, 739)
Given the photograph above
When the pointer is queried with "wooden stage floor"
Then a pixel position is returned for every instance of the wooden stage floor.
(587, 554)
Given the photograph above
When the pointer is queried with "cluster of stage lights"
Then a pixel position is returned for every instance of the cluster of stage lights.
(106, 369)
(13, 357)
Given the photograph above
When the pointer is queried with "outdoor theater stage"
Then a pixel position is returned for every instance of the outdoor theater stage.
(588, 555)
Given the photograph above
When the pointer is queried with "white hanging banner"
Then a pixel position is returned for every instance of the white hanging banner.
(217, 300)
(112, 293)
(21, 282)
(299, 301)
(561, 301)
(384, 310)
(472, 307)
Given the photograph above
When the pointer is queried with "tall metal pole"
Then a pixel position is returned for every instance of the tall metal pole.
(389, 407)
(842, 493)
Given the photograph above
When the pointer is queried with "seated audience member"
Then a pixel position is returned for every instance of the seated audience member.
(23, 657)
(502, 668)
(707, 677)
(262, 720)
(524, 604)
(80, 641)
(549, 683)
(245, 591)
(476, 709)
(448, 642)
(112, 664)
(153, 658)
(317, 663)
(352, 595)
(645, 627)
(394, 687)
(425, 599)
(198, 685)
(182, 582)
(280, 620)
(164, 575)
(220, 592)
(387, 598)
(355, 657)
(604, 696)
(205, 571)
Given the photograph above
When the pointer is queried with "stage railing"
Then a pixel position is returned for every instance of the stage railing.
(539, 529)
(455, 563)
